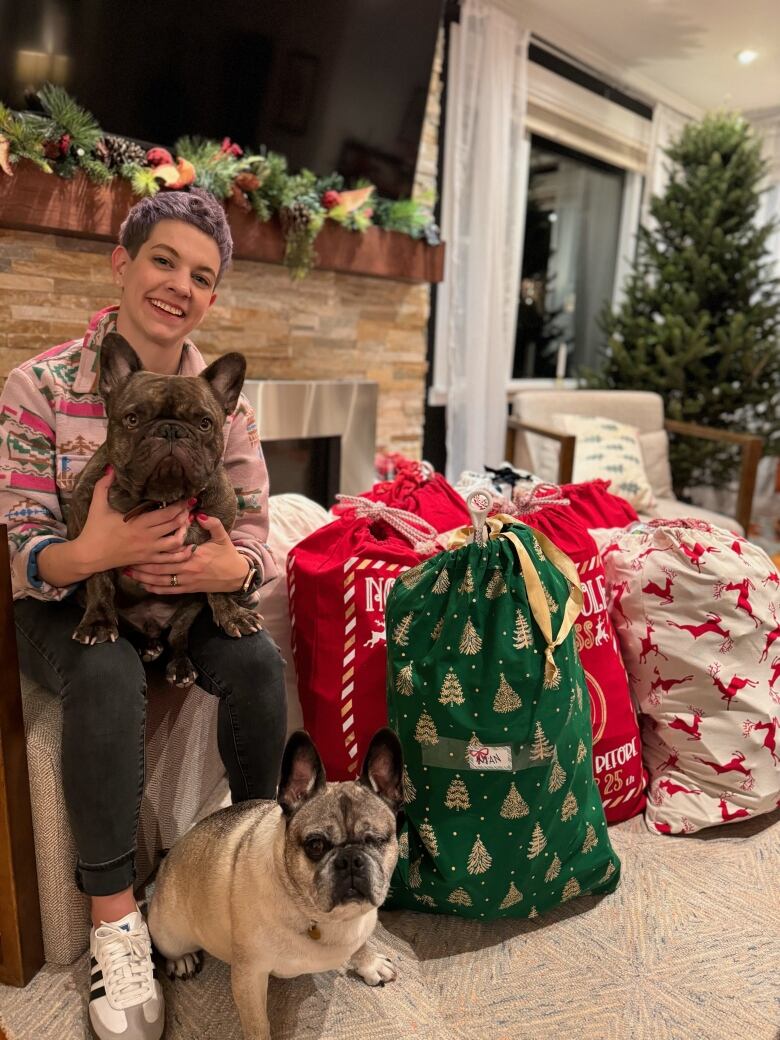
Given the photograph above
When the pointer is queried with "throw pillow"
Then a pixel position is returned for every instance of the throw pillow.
(610, 449)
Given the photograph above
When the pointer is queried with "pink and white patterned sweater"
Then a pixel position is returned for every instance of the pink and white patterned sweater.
(53, 420)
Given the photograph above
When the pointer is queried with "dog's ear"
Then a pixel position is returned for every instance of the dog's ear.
(303, 773)
(383, 768)
(118, 361)
(226, 377)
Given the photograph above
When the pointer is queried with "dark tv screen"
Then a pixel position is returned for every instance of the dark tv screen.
(331, 84)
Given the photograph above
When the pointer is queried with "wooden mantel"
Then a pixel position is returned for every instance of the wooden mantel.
(32, 200)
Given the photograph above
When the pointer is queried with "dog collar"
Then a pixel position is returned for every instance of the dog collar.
(313, 931)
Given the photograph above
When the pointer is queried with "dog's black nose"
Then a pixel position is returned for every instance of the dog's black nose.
(350, 861)
(171, 430)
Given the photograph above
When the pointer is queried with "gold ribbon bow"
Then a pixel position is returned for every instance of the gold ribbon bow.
(536, 599)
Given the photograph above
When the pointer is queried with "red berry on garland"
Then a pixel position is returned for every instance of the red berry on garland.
(159, 157)
(331, 199)
(64, 143)
(231, 149)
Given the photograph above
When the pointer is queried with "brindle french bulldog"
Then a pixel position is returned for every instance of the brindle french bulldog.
(165, 442)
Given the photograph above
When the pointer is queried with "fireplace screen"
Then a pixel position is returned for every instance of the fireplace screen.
(307, 465)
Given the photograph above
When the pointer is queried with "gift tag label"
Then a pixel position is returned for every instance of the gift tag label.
(484, 757)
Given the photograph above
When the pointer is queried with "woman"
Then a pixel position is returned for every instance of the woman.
(173, 249)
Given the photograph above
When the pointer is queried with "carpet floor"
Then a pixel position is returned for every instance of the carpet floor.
(687, 948)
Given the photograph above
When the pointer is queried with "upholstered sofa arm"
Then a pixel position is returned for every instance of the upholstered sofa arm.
(515, 426)
(752, 447)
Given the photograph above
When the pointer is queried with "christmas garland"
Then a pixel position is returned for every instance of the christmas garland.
(63, 138)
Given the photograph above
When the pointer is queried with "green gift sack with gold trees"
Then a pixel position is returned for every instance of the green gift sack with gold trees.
(487, 693)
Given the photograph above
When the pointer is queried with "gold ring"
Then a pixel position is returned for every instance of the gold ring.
(174, 581)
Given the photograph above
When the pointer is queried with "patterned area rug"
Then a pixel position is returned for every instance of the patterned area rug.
(687, 948)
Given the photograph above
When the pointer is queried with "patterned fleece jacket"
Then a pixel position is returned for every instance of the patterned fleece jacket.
(53, 420)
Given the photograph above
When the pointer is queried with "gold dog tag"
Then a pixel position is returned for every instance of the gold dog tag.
(313, 931)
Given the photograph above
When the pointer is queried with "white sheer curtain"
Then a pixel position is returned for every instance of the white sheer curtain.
(483, 209)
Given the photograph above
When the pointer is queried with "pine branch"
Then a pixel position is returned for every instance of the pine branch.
(68, 117)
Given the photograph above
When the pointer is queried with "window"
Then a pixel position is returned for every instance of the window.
(572, 231)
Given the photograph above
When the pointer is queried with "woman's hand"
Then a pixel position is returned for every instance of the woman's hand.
(215, 566)
(107, 542)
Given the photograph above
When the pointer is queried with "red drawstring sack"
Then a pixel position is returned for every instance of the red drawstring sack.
(617, 751)
(596, 507)
(338, 579)
(418, 489)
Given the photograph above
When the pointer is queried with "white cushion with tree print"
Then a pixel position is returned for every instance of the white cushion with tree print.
(610, 450)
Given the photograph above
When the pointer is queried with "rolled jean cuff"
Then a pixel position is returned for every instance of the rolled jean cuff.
(106, 879)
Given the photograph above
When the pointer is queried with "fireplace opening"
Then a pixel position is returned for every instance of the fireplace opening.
(309, 466)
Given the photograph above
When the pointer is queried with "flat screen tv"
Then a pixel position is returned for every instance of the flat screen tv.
(331, 84)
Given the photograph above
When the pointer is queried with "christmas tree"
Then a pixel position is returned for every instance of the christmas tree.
(403, 681)
(571, 889)
(514, 806)
(460, 897)
(426, 899)
(552, 606)
(541, 748)
(591, 841)
(437, 629)
(451, 691)
(442, 583)
(415, 878)
(425, 730)
(557, 775)
(538, 841)
(470, 640)
(582, 752)
(506, 699)
(457, 796)
(513, 896)
(412, 577)
(699, 322)
(569, 808)
(403, 846)
(522, 639)
(553, 870)
(401, 630)
(479, 858)
(428, 836)
(533, 913)
(409, 790)
(467, 585)
(496, 586)
(608, 872)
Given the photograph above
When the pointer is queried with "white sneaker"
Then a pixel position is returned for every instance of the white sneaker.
(125, 999)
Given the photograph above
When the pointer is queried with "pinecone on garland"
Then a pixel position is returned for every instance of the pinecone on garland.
(295, 218)
(120, 151)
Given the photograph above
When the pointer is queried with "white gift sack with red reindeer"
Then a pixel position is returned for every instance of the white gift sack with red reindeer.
(697, 612)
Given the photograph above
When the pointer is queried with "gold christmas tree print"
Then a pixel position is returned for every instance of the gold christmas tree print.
(403, 681)
(467, 585)
(608, 873)
(541, 748)
(442, 583)
(415, 879)
(569, 809)
(409, 790)
(437, 629)
(552, 605)
(428, 836)
(522, 637)
(534, 913)
(557, 775)
(413, 576)
(553, 870)
(538, 550)
(571, 889)
(591, 841)
(470, 640)
(514, 806)
(425, 730)
(425, 899)
(479, 858)
(496, 586)
(582, 752)
(578, 689)
(451, 691)
(401, 631)
(403, 846)
(460, 897)
(457, 796)
(537, 843)
(513, 896)
(506, 699)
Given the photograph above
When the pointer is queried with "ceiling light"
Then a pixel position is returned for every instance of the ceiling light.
(746, 57)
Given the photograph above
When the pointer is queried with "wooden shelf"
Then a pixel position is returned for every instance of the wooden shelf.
(32, 200)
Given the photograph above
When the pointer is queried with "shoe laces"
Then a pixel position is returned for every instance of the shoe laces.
(125, 959)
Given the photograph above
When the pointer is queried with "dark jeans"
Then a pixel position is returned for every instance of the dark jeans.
(103, 690)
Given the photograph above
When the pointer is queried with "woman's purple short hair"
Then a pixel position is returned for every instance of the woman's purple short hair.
(196, 207)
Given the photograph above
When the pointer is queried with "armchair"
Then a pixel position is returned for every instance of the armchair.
(535, 442)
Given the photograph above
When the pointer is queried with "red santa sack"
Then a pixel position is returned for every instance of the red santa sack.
(617, 751)
(338, 579)
(596, 507)
(418, 489)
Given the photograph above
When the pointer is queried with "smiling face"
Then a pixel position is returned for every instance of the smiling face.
(167, 288)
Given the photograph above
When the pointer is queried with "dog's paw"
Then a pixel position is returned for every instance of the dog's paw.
(96, 630)
(180, 671)
(235, 620)
(151, 650)
(185, 967)
(376, 970)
